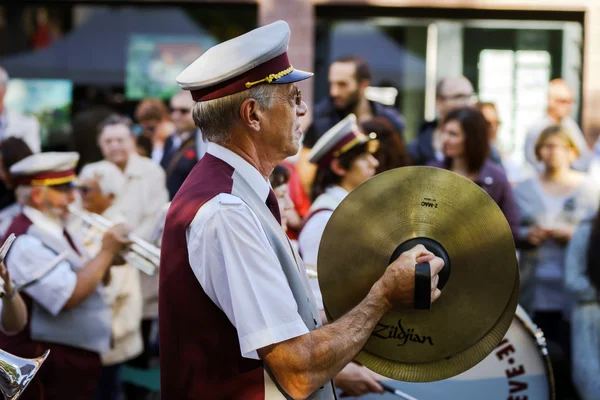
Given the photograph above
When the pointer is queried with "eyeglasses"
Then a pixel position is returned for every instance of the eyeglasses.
(458, 96)
(553, 146)
(87, 189)
(297, 96)
(180, 110)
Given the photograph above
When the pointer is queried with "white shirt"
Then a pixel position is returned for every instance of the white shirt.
(312, 232)
(28, 255)
(26, 127)
(123, 293)
(141, 200)
(157, 152)
(7, 214)
(232, 259)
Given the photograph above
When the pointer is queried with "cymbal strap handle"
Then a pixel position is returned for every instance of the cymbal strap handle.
(423, 286)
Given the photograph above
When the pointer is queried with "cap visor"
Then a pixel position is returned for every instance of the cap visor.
(294, 76)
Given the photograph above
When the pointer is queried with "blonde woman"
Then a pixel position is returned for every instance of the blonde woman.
(551, 205)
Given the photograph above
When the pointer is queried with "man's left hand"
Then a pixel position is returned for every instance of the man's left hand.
(356, 380)
(561, 235)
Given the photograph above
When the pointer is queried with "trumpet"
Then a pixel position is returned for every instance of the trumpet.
(16, 373)
(140, 254)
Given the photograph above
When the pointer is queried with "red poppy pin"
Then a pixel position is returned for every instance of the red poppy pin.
(190, 154)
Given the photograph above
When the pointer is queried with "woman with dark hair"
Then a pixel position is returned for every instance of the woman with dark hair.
(466, 149)
(582, 278)
(391, 153)
(12, 150)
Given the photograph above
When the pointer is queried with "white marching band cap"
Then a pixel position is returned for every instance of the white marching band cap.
(257, 57)
(46, 169)
(342, 137)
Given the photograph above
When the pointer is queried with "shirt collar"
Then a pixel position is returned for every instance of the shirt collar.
(134, 167)
(258, 183)
(43, 221)
(337, 192)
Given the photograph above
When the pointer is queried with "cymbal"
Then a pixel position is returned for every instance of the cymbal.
(455, 219)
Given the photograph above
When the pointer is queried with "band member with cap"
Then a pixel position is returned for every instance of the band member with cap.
(68, 312)
(344, 159)
(344, 156)
(237, 317)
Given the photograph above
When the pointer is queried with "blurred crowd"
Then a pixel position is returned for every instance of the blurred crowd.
(551, 204)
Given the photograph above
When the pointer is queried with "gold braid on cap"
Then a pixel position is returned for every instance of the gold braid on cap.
(271, 77)
(52, 181)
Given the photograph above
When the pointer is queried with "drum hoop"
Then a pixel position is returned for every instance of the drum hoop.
(540, 340)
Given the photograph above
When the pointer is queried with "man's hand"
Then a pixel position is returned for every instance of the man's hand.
(8, 288)
(398, 281)
(561, 235)
(356, 380)
(115, 239)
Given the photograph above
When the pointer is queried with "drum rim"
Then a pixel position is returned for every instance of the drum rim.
(537, 333)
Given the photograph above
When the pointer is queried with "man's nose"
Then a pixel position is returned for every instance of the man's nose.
(333, 90)
(302, 109)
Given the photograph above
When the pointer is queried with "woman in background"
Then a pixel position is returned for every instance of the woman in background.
(551, 205)
(466, 148)
(582, 278)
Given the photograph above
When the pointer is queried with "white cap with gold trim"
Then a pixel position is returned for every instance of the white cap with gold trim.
(257, 57)
(46, 169)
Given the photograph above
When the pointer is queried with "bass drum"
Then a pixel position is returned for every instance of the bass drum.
(519, 368)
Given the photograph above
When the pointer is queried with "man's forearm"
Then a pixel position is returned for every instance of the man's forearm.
(303, 364)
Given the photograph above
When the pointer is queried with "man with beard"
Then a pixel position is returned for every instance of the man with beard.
(66, 306)
(349, 77)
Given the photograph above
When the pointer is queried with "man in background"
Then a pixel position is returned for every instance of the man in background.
(349, 78)
(185, 147)
(143, 197)
(560, 107)
(450, 94)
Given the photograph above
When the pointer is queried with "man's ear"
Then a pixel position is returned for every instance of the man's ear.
(37, 195)
(337, 168)
(251, 114)
(364, 84)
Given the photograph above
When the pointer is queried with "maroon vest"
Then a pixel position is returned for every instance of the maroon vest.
(199, 348)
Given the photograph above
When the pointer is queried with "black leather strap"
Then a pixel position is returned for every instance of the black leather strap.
(423, 286)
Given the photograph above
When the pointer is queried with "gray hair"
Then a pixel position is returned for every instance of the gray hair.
(115, 119)
(23, 195)
(109, 177)
(215, 118)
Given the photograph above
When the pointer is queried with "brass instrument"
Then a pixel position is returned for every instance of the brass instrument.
(17, 372)
(140, 254)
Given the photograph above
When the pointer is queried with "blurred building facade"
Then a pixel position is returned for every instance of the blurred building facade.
(509, 49)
